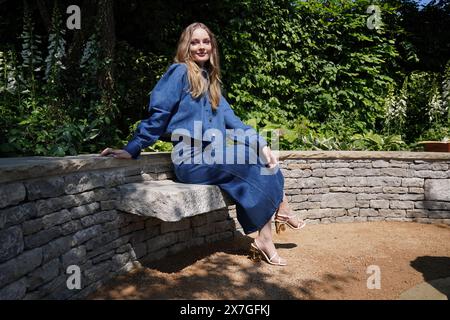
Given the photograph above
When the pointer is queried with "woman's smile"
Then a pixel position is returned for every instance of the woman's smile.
(200, 46)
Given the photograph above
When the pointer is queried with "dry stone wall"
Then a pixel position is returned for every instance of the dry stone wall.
(61, 216)
(62, 212)
(401, 188)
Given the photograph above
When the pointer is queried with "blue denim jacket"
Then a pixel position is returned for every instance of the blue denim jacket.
(172, 107)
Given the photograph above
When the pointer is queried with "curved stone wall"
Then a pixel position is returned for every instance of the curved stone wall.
(57, 214)
(62, 212)
(326, 187)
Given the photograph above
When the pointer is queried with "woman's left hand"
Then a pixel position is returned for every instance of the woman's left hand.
(116, 153)
(271, 159)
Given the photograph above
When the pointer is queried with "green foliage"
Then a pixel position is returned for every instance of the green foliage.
(422, 104)
(395, 109)
(56, 51)
(369, 141)
(312, 72)
(437, 133)
(321, 142)
(39, 116)
(287, 59)
(317, 60)
(159, 146)
(375, 142)
(163, 146)
(137, 73)
(31, 56)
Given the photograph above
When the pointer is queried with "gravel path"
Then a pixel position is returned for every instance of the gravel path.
(326, 261)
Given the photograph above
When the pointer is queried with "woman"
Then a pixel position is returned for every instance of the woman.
(187, 103)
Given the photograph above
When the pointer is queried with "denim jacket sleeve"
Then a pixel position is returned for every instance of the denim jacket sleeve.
(163, 99)
(233, 122)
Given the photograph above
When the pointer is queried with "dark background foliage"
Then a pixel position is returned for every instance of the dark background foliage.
(312, 70)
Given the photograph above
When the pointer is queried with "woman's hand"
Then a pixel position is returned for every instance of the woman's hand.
(115, 153)
(271, 159)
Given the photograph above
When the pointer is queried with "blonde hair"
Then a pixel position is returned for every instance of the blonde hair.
(198, 85)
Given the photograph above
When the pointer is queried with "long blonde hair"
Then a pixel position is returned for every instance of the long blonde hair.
(198, 85)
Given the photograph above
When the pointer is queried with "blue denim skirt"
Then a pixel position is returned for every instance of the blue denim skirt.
(256, 190)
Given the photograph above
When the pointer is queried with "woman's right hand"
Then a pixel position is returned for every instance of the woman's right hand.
(115, 153)
(270, 157)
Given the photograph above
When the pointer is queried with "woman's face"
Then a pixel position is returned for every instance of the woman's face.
(200, 46)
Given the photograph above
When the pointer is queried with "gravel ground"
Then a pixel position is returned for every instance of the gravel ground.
(325, 261)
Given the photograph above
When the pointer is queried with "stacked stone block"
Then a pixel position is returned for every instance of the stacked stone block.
(325, 191)
(66, 214)
(50, 223)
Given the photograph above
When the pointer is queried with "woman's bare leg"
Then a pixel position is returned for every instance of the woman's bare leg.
(285, 211)
(264, 242)
(284, 205)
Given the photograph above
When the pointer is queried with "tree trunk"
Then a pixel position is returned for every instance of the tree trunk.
(107, 45)
(43, 11)
(80, 37)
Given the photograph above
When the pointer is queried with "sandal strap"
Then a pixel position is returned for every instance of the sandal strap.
(271, 258)
(275, 255)
(284, 216)
(288, 217)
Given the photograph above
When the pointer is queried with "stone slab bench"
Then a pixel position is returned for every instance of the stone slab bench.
(169, 200)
